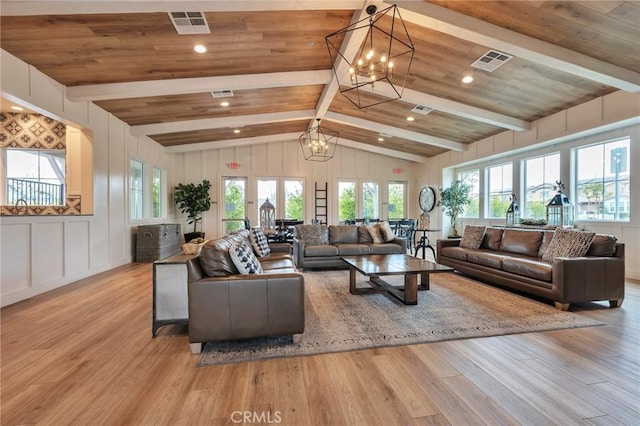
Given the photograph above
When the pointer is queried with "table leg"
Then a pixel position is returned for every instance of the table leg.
(411, 289)
(424, 281)
(352, 280)
(432, 251)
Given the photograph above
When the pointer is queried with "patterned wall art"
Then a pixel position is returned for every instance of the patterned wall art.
(35, 131)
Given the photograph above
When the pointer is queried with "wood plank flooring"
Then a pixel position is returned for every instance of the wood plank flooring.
(83, 354)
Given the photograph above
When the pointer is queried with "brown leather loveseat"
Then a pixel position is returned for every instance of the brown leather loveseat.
(513, 258)
(226, 305)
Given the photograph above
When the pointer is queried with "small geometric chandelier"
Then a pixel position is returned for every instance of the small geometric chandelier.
(385, 56)
(318, 144)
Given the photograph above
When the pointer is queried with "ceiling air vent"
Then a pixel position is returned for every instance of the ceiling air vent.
(491, 60)
(421, 109)
(189, 22)
(227, 93)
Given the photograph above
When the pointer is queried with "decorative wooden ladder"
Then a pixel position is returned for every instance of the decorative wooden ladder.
(321, 207)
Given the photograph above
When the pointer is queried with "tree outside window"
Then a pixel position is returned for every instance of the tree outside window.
(293, 206)
(396, 200)
(346, 200)
(471, 178)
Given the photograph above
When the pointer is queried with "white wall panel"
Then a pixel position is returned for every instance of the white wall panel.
(119, 235)
(15, 258)
(47, 252)
(76, 254)
(100, 224)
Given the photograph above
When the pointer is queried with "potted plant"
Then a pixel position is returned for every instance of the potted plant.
(453, 201)
(193, 200)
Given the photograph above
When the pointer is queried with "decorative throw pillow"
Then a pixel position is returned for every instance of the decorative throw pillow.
(244, 259)
(374, 231)
(386, 233)
(313, 235)
(567, 243)
(472, 236)
(259, 242)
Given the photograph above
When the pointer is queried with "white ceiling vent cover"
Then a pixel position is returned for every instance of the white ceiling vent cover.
(421, 109)
(227, 93)
(189, 23)
(491, 60)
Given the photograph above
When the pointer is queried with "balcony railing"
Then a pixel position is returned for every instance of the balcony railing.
(34, 193)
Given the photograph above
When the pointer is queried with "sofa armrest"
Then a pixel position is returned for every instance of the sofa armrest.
(441, 243)
(401, 242)
(578, 279)
(298, 252)
(194, 270)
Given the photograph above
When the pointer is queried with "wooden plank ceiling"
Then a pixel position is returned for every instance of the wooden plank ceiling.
(277, 65)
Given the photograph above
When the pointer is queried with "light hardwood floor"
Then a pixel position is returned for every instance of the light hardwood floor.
(83, 355)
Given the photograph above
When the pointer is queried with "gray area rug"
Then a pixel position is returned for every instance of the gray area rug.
(455, 307)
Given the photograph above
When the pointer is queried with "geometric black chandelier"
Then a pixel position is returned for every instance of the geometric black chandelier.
(383, 59)
(318, 143)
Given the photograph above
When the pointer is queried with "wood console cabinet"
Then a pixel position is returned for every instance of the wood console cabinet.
(170, 302)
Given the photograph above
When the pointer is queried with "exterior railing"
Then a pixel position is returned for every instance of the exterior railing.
(34, 193)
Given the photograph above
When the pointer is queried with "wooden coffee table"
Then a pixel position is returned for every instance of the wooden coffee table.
(376, 265)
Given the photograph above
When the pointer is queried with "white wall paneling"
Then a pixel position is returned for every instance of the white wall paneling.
(15, 260)
(39, 253)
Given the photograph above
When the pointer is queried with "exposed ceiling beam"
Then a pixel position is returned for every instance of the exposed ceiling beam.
(220, 123)
(349, 49)
(74, 7)
(480, 32)
(394, 131)
(179, 86)
(382, 151)
(455, 108)
(201, 146)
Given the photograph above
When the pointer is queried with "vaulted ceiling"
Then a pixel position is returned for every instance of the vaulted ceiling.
(127, 57)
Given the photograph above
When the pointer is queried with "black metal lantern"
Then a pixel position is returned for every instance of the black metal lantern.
(268, 217)
(318, 143)
(513, 212)
(560, 211)
(383, 57)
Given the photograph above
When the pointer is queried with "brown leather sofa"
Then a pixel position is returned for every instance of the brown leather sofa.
(513, 258)
(225, 305)
(340, 240)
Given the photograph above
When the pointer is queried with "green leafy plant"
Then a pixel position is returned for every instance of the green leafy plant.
(193, 200)
(453, 201)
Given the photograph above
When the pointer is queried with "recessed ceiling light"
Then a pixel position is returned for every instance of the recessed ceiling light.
(224, 103)
(236, 131)
(467, 79)
(380, 139)
(17, 108)
(199, 48)
(410, 118)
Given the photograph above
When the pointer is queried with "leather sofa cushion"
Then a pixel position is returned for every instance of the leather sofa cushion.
(546, 239)
(486, 258)
(602, 245)
(364, 236)
(454, 252)
(277, 263)
(280, 271)
(352, 249)
(320, 250)
(215, 260)
(388, 248)
(491, 240)
(343, 234)
(528, 267)
(521, 242)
